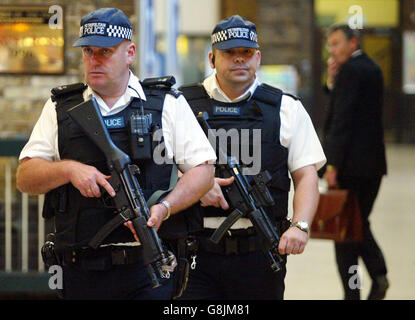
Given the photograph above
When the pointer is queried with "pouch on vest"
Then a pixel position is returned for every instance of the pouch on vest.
(55, 200)
(140, 127)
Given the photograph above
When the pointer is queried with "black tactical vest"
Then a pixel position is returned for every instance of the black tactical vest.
(261, 111)
(77, 218)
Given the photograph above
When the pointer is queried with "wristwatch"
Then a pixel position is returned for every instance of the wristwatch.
(302, 225)
(167, 205)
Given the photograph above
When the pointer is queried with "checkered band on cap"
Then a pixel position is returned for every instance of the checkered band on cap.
(119, 32)
(234, 33)
(219, 37)
(105, 30)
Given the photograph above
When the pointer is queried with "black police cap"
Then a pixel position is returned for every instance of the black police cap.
(234, 32)
(105, 27)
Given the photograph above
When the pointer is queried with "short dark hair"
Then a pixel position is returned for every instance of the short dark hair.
(347, 31)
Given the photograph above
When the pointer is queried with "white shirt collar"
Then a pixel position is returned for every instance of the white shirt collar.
(134, 90)
(356, 53)
(215, 92)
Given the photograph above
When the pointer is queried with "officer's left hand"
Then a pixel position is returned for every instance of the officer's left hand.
(293, 241)
(157, 214)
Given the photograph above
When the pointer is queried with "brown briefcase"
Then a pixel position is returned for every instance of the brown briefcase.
(338, 217)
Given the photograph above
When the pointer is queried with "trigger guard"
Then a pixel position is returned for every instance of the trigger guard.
(106, 198)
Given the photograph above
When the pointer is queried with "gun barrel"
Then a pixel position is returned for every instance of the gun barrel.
(275, 265)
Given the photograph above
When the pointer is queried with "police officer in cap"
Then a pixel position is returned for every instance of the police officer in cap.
(236, 268)
(60, 160)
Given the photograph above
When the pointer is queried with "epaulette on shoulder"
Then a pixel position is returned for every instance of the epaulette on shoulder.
(61, 91)
(291, 95)
(175, 92)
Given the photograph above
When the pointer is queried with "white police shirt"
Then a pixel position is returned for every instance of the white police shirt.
(297, 134)
(184, 140)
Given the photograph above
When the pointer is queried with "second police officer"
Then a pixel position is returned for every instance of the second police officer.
(234, 98)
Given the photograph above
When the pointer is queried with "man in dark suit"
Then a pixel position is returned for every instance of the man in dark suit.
(354, 147)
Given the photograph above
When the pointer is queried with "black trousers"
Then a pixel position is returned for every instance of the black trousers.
(347, 253)
(234, 277)
(118, 282)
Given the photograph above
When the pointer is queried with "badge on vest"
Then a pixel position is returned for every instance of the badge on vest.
(114, 122)
(226, 111)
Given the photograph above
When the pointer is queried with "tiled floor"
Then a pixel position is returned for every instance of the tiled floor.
(313, 274)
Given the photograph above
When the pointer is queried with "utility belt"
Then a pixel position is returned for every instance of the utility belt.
(103, 258)
(236, 241)
(229, 244)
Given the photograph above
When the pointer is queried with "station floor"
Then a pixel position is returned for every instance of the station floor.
(313, 275)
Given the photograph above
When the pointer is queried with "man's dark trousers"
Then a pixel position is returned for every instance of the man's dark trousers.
(125, 282)
(347, 254)
(217, 278)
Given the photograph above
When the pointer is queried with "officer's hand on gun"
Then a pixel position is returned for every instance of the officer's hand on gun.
(158, 213)
(87, 180)
(293, 241)
(214, 197)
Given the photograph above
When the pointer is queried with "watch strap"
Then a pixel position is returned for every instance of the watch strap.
(299, 226)
(167, 205)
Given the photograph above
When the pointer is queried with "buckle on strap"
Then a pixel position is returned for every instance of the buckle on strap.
(127, 214)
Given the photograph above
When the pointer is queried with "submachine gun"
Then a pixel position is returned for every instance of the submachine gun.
(129, 199)
(247, 201)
